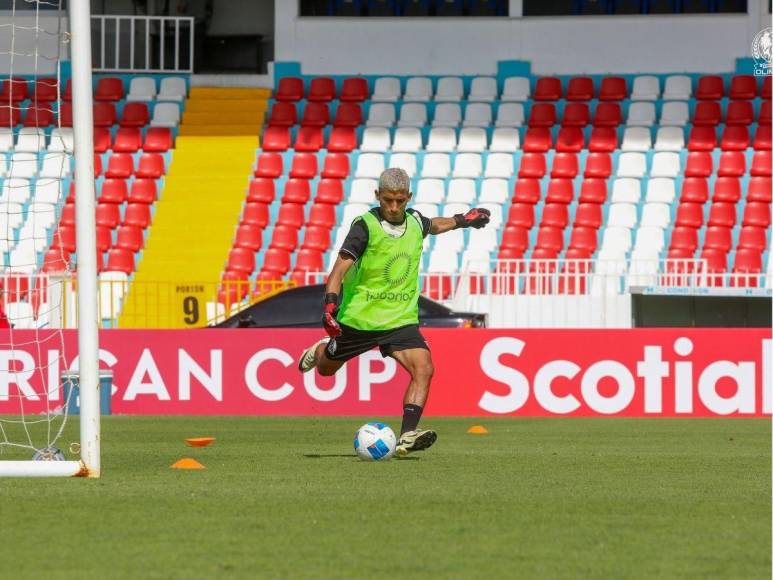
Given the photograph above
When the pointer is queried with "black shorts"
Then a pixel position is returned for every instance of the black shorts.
(353, 342)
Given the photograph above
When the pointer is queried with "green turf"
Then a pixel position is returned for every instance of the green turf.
(557, 498)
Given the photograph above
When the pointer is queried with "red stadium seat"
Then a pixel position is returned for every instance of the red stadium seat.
(68, 215)
(101, 140)
(283, 115)
(120, 165)
(309, 260)
(613, 89)
(743, 87)
(308, 139)
(575, 115)
(321, 89)
(532, 165)
(702, 139)
(11, 116)
(64, 114)
(158, 140)
(304, 166)
(564, 165)
(719, 238)
(679, 254)
(269, 165)
(560, 191)
(583, 238)
(113, 191)
(550, 238)
(753, 237)
(759, 189)
(588, 215)
(694, 190)
(547, 89)
(342, 140)
(261, 190)
(104, 114)
(684, 238)
(732, 164)
(64, 238)
(689, 215)
(765, 92)
(699, 164)
(137, 214)
(521, 215)
(107, 214)
(348, 115)
(109, 89)
(570, 140)
(555, 215)
(598, 165)
(765, 113)
(735, 138)
(514, 237)
(322, 215)
(316, 237)
(593, 191)
(329, 191)
(275, 139)
(537, 140)
(13, 90)
(129, 238)
(296, 191)
(151, 166)
(284, 237)
(241, 260)
(607, 115)
(336, 166)
(354, 89)
(135, 115)
(740, 113)
(276, 260)
(56, 260)
(527, 191)
(727, 189)
(437, 286)
(748, 261)
(716, 263)
(580, 89)
(255, 214)
(39, 116)
(234, 287)
(722, 214)
(762, 138)
(315, 115)
(44, 91)
(289, 89)
(127, 140)
(603, 140)
(707, 113)
(143, 191)
(542, 115)
(291, 214)
(756, 214)
(710, 88)
(104, 238)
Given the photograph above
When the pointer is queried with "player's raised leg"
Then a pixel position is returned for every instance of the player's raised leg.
(418, 363)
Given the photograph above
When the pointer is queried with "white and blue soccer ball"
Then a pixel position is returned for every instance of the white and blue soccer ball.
(375, 442)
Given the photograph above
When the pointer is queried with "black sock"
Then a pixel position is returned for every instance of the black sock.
(411, 416)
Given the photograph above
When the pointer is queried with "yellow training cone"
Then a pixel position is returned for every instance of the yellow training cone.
(186, 463)
(477, 430)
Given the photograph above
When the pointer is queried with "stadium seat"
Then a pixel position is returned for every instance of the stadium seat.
(381, 115)
(322, 215)
(613, 89)
(39, 116)
(315, 115)
(694, 190)
(684, 237)
(151, 166)
(316, 237)
(369, 165)
(537, 140)
(674, 113)
(127, 140)
(44, 91)
(336, 166)
(375, 139)
(722, 214)
(447, 115)
(30, 140)
(570, 140)
(710, 88)
(510, 115)
(533, 165)
(413, 115)
(747, 261)
(348, 115)
(631, 164)
(636, 139)
(707, 113)
(321, 89)
(550, 238)
(109, 89)
(542, 115)
(342, 140)
(593, 191)
(765, 92)
(261, 190)
(677, 88)
(626, 190)
(583, 238)
(766, 113)
(172, 89)
(735, 138)
(461, 190)
(554, 214)
(104, 115)
(483, 89)
(418, 89)
(354, 90)
(575, 115)
(241, 260)
(494, 191)
(255, 214)
(547, 89)
(718, 238)
(291, 214)
(135, 115)
(304, 166)
(283, 114)
(560, 191)
(449, 89)
(645, 88)
(269, 165)
(580, 89)
(437, 165)
(129, 238)
(141, 89)
(467, 165)
(598, 165)
(699, 164)
(753, 237)
(107, 215)
(113, 191)
(296, 191)
(472, 140)
(290, 89)
(689, 215)
(702, 139)
(120, 260)
(515, 237)
(120, 165)
(516, 89)
(762, 138)
(732, 164)
(660, 190)
(504, 140)
(137, 214)
(308, 260)
(308, 139)
(143, 191)
(740, 113)
(759, 189)
(665, 164)
(756, 214)
(527, 191)
(284, 237)
(602, 140)
(521, 215)
(441, 140)
(564, 165)
(386, 89)
(588, 215)
(499, 165)
(165, 115)
(743, 87)
(477, 115)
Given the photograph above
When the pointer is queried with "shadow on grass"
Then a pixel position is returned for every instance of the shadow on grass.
(343, 455)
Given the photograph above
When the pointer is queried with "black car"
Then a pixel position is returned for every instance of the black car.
(302, 308)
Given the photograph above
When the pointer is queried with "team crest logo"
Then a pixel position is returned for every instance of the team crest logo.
(762, 52)
(397, 269)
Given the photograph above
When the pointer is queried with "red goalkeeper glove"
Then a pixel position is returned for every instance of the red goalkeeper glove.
(328, 317)
(475, 218)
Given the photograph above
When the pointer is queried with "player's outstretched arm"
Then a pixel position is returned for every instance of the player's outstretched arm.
(475, 218)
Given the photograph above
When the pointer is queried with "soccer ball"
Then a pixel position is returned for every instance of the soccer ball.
(375, 442)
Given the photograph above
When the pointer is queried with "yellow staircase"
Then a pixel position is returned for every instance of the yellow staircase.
(200, 204)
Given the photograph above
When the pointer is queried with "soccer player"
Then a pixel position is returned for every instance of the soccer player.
(378, 267)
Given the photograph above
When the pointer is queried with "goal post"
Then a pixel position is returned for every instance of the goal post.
(47, 461)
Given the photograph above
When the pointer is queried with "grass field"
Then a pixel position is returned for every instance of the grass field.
(554, 498)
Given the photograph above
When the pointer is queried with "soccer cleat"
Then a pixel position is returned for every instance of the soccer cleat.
(418, 440)
(306, 362)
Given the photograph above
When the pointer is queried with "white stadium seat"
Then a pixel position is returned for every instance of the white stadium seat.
(381, 115)
(386, 89)
(483, 89)
(418, 89)
(467, 165)
(412, 115)
(677, 88)
(142, 89)
(461, 191)
(472, 140)
(645, 88)
(510, 115)
(172, 89)
(516, 89)
(449, 89)
(447, 115)
(441, 140)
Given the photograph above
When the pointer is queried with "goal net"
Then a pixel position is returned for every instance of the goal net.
(46, 156)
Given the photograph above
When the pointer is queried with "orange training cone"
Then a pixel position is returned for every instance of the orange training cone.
(186, 463)
(477, 430)
(199, 441)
